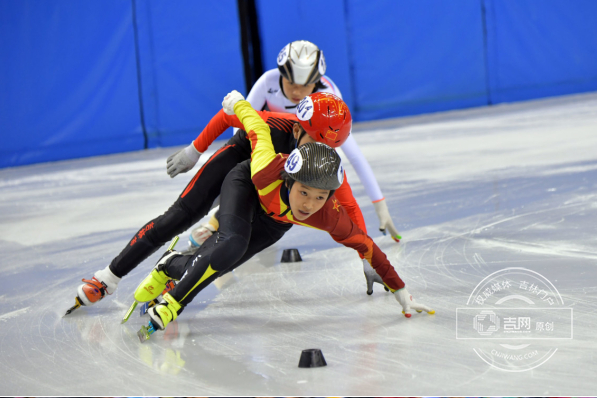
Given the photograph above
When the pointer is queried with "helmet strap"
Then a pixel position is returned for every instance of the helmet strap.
(282, 88)
(301, 135)
(288, 183)
(318, 85)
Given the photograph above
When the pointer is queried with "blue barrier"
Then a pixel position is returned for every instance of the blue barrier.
(413, 57)
(540, 48)
(96, 77)
(69, 85)
(68, 81)
(321, 22)
(190, 58)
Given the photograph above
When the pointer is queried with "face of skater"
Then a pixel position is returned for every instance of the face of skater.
(306, 201)
(296, 92)
(306, 138)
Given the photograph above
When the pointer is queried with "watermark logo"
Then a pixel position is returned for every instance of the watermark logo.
(515, 319)
(483, 328)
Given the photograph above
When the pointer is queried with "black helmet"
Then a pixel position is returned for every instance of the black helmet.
(315, 165)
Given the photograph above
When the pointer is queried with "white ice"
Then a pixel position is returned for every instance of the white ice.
(472, 192)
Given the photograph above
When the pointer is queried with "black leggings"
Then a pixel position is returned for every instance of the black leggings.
(193, 204)
(244, 231)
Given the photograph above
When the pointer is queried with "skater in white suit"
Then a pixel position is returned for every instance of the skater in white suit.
(301, 71)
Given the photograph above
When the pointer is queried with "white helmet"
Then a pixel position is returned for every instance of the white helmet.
(301, 62)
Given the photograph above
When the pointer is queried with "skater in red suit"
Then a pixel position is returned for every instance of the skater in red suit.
(287, 132)
(261, 199)
(300, 72)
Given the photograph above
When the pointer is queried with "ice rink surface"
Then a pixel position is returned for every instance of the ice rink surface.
(473, 193)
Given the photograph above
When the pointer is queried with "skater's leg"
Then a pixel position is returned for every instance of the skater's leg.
(265, 232)
(191, 206)
(218, 253)
(153, 235)
(199, 270)
(238, 206)
(245, 230)
(194, 202)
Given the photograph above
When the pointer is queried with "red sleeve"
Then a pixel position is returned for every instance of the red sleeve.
(216, 126)
(347, 200)
(342, 229)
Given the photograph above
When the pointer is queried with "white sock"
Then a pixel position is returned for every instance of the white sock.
(105, 275)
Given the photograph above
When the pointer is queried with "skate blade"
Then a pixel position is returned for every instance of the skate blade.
(78, 303)
(145, 332)
(174, 242)
(129, 312)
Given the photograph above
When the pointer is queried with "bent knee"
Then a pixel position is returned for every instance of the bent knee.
(229, 249)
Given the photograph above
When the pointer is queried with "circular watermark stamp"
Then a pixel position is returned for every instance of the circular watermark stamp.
(515, 319)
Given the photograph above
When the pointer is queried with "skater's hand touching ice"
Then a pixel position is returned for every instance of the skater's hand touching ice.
(407, 302)
(182, 161)
(230, 100)
(385, 220)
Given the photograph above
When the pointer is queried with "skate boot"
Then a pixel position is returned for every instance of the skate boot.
(94, 289)
(147, 305)
(372, 276)
(164, 312)
(201, 234)
(155, 283)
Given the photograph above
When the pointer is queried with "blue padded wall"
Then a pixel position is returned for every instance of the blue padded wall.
(541, 48)
(190, 57)
(321, 22)
(83, 78)
(68, 80)
(412, 57)
(394, 58)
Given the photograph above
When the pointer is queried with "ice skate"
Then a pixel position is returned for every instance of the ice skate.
(200, 235)
(94, 289)
(160, 316)
(155, 283)
(146, 306)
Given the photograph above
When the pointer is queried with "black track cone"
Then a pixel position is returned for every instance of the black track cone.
(291, 256)
(312, 358)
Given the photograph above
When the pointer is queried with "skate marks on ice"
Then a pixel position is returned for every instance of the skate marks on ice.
(44, 353)
(554, 237)
(471, 194)
(13, 314)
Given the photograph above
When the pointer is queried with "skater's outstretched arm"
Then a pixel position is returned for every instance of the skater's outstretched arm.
(347, 233)
(262, 149)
